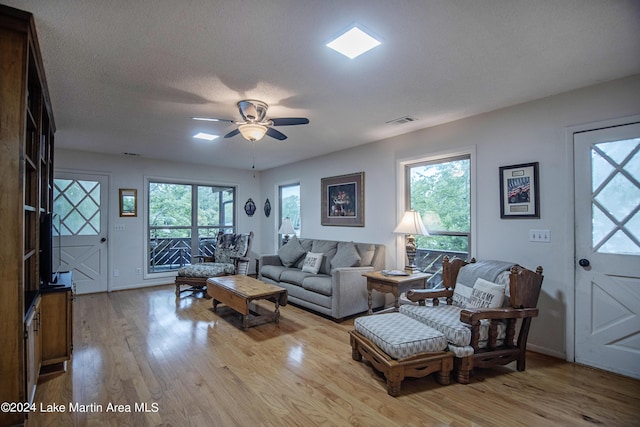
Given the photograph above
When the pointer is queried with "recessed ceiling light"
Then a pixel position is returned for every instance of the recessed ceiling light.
(206, 136)
(353, 43)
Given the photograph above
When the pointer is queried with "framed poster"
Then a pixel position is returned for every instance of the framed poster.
(519, 191)
(343, 200)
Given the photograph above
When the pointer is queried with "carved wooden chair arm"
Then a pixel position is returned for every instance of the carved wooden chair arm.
(472, 316)
(509, 316)
(420, 295)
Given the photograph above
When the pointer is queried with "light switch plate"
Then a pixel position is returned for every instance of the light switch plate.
(542, 236)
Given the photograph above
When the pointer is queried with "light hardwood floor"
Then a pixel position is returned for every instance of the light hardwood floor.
(199, 368)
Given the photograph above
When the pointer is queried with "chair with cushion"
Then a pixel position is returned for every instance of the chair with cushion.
(231, 256)
(484, 302)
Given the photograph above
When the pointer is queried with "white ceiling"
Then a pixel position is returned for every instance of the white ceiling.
(127, 75)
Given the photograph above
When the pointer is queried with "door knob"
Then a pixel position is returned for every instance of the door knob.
(104, 239)
(584, 262)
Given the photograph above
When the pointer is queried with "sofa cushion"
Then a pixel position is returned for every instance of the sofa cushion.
(320, 284)
(294, 276)
(291, 252)
(328, 248)
(306, 245)
(486, 294)
(312, 262)
(273, 272)
(400, 336)
(366, 252)
(346, 256)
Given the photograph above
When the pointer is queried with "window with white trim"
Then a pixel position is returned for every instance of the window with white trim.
(440, 190)
(289, 199)
(184, 220)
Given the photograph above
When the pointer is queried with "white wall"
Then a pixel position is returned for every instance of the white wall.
(530, 132)
(126, 248)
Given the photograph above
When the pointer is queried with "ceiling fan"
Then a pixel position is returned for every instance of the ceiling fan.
(255, 124)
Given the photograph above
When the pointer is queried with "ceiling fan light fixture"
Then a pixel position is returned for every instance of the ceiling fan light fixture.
(252, 131)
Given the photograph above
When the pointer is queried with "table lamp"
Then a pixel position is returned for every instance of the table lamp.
(286, 228)
(410, 225)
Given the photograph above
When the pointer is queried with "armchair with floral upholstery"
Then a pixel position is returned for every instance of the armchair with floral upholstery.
(231, 256)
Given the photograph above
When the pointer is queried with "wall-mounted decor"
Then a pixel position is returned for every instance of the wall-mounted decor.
(519, 191)
(343, 200)
(128, 202)
(250, 207)
(267, 208)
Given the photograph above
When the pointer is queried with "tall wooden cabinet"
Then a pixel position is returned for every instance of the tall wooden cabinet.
(26, 190)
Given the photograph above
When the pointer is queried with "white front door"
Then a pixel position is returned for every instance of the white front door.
(81, 202)
(607, 288)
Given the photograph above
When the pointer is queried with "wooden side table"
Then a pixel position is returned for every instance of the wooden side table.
(393, 284)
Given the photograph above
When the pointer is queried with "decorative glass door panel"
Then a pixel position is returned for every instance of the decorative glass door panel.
(79, 200)
(607, 209)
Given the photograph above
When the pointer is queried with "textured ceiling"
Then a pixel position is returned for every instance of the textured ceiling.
(126, 76)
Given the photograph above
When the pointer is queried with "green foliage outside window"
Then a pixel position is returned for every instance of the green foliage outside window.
(185, 219)
(441, 193)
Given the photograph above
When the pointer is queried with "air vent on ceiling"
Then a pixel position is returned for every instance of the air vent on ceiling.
(402, 120)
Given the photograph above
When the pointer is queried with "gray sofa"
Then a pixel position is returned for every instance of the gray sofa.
(337, 289)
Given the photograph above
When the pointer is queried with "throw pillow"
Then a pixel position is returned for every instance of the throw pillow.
(291, 252)
(312, 262)
(461, 295)
(486, 294)
(328, 248)
(346, 256)
(366, 251)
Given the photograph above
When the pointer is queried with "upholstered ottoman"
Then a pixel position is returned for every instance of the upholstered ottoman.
(399, 347)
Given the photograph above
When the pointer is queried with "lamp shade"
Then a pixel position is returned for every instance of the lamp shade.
(252, 131)
(286, 227)
(411, 223)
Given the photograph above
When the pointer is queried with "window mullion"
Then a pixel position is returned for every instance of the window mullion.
(194, 220)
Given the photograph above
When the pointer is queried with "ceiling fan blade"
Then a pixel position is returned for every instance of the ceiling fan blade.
(290, 121)
(276, 134)
(212, 119)
(232, 133)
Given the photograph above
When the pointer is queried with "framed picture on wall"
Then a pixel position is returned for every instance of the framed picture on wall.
(343, 200)
(519, 191)
(128, 202)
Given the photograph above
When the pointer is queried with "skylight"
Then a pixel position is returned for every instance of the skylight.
(353, 43)
(205, 136)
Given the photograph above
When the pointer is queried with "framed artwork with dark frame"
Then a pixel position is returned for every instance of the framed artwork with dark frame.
(519, 191)
(128, 202)
(343, 200)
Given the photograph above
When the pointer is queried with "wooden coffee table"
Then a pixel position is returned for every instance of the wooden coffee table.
(239, 291)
